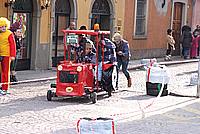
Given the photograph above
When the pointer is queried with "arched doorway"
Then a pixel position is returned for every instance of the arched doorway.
(101, 14)
(62, 20)
(23, 13)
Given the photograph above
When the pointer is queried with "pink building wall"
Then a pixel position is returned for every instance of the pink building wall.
(196, 14)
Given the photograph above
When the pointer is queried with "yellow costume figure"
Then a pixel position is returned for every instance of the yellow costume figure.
(7, 53)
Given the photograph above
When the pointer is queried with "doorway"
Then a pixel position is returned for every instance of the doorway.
(62, 20)
(22, 12)
(177, 23)
(101, 14)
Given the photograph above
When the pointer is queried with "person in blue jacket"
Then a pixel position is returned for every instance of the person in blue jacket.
(123, 57)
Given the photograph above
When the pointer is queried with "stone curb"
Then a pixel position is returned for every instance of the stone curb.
(133, 67)
(164, 63)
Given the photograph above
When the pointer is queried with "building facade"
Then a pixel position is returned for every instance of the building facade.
(42, 24)
(142, 22)
(146, 23)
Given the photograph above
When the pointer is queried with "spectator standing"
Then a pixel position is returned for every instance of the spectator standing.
(7, 53)
(15, 28)
(195, 45)
(170, 44)
(123, 57)
(186, 40)
(197, 31)
(72, 26)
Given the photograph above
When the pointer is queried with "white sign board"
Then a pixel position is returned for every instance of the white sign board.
(72, 39)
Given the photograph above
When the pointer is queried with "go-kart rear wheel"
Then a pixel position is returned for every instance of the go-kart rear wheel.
(93, 97)
(49, 95)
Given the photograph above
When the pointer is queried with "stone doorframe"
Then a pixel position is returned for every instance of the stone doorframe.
(112, 14)
(184, 12)
(35, 33)
(73, 17)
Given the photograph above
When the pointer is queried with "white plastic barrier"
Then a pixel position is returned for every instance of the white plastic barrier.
(194, 79)
(96, 126)
(148, 62)
(157, 74)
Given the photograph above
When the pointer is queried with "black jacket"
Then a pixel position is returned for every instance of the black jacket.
(186, 39)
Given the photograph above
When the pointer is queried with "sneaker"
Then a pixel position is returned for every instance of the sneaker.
(7, 92)
(2, 92)
(13, 78)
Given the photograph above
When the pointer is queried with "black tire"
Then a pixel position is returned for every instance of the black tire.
(49, 95)
(107, 80)
(93, 97)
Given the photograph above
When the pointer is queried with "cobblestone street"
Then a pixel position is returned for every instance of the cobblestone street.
(26, 110)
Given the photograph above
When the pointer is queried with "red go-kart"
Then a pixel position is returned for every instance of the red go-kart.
(76, 77)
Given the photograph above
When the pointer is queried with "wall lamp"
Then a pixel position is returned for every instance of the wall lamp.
(45, 4)
(10, 3)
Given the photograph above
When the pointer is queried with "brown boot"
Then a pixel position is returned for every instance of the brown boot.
(129, 82)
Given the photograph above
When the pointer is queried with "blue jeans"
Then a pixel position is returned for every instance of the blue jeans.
(124, 64)
(99, 71)
(186, 52)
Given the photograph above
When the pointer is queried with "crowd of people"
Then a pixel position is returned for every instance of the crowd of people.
(190, 42)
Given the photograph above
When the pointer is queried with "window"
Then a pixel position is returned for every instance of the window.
(141, 18)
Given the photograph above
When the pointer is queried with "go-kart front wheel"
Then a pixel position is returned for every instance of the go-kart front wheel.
(49, 95)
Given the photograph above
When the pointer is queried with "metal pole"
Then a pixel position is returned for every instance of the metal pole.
(198, 85)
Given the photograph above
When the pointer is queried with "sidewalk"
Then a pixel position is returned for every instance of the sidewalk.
(43, 75)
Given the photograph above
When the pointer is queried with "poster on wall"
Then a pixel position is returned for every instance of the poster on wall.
(21, 20)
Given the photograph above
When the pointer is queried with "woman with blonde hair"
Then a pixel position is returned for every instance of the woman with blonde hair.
(123, 57)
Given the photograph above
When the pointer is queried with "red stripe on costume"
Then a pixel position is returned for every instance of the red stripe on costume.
(12, 43)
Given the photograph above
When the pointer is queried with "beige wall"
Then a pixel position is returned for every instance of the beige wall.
(3, 9)
(45, 26)
(83, 13)
(120, 12)
(84, 9)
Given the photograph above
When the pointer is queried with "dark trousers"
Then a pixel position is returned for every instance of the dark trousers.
(124, 64)
(186, 52)
(169, 50)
